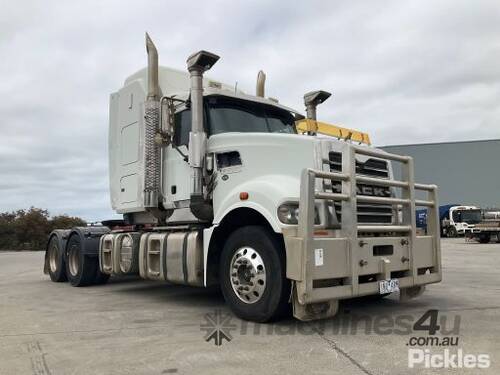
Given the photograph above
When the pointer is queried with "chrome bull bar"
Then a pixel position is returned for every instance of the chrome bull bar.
(422, 254)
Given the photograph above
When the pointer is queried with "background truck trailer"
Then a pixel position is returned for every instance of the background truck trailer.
(463, 220)
(216, 187)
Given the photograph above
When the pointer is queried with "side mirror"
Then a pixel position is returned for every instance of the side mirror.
(167, 124)
(209, 163)
(168, 117)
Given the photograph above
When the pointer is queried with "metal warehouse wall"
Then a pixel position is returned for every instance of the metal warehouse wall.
(465, 172)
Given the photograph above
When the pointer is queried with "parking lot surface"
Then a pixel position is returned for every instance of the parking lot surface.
(131, 326)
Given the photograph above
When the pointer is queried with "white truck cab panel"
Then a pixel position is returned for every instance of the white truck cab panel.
(268, 171)
(126, 135)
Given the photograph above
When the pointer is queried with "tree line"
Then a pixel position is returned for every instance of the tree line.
(28, 229)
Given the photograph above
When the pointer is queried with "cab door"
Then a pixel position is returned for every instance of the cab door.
(176, 172)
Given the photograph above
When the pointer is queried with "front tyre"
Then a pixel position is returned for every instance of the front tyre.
(253, 276)
(452, 232)
(81, 269)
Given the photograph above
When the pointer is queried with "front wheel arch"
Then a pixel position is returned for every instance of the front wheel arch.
(252, 265)
(237, 218)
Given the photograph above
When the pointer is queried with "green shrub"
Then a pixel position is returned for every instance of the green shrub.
(28, 229)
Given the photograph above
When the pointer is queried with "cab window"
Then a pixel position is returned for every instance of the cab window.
(182, 128)
(227, 115)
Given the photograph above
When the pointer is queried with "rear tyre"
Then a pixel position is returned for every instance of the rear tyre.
(484, 238)
(253, 276)
(57, 266)
(100, 278)
(81, 269)
(452, 232)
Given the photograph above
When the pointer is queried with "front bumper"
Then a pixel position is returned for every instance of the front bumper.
(347, 269)
(329, 264)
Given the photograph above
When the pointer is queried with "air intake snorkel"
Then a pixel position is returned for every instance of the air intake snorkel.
(198, 64)
(311, 101)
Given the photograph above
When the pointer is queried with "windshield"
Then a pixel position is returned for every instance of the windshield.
(471, 216)
(235, 115)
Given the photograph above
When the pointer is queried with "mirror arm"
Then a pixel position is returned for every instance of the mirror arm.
(184, 156)
(168, 105)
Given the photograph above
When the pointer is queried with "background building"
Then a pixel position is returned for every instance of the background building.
(466, 172)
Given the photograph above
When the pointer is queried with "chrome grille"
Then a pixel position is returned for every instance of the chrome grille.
(367, 213)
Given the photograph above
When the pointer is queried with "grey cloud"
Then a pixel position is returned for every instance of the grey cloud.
(406, 72)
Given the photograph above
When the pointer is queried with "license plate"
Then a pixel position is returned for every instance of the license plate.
(388, 286)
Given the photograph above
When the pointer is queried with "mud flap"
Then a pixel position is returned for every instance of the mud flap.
(406, 294)
(46, 263)
(313, 311)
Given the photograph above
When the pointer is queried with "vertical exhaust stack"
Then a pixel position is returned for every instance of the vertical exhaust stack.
(153, 86)
(261, 84)
(311, 101)
(152, 164)
(197, 64)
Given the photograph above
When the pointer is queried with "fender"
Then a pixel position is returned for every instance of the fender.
(265, 194)
(208, 232)
(89, 238)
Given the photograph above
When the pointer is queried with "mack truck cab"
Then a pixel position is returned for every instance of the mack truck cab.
(220, 187)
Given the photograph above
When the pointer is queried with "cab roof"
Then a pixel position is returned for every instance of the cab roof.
(175, 82)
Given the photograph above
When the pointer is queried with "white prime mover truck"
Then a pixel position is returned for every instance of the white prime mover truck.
(217, 187)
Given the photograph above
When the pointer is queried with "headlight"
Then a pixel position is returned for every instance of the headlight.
(288, 213)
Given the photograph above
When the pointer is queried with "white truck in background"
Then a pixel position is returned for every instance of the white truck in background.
(461, 220)
(217, 187)
(458, 220)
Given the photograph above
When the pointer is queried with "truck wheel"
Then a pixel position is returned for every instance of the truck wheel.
(452, 232)
(100, 278)
(81, 269)
(484, 238)
(253, 276)
(57, 267)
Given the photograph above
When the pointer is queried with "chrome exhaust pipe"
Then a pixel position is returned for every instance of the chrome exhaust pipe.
(197, 64)
(153, 86)
(152, 163)
(261, 83)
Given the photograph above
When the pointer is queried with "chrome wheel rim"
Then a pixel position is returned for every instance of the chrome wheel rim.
(74, 261)
(53, 255)
(247, 273)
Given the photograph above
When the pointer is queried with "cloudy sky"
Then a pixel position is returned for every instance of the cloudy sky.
(404, 71)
